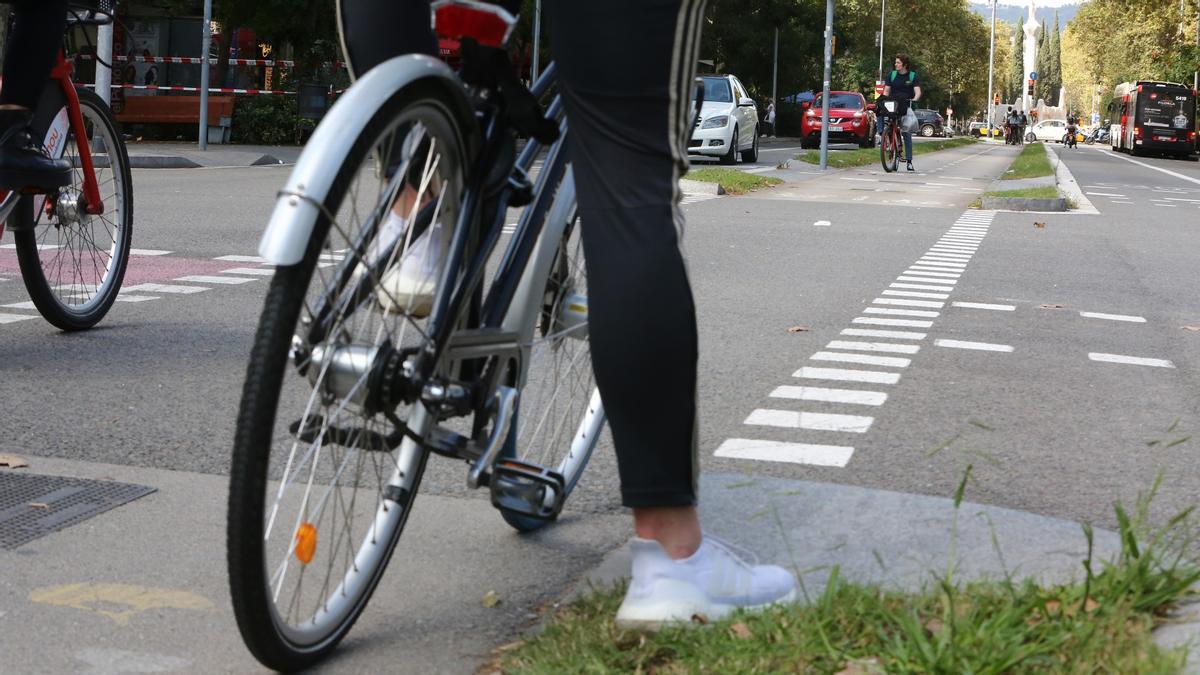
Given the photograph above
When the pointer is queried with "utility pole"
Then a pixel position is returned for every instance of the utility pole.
(537, 40)
(991, 72)
(882, 14)
(205, 45)
(825, 84)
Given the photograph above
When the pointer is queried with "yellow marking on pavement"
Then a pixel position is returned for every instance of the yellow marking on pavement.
(119, 602)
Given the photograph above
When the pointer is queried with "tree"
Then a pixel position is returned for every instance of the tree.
(1017, 74)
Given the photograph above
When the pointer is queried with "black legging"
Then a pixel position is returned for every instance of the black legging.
(626, 68)
(32, 45)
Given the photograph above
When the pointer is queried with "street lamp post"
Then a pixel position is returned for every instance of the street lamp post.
(205, 45)
(991, 72)
(882, 14)
(825, 84)
(537, 40)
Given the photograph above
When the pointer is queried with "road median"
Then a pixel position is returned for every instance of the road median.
(842, 159)
(712, 180)
(1029, 184)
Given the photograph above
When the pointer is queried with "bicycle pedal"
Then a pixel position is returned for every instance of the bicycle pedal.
(527, 489)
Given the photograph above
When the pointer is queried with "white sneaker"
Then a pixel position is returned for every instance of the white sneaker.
(409, 286)
(713, 582)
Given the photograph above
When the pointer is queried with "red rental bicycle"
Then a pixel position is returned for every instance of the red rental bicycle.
(72, 244)
(891, 144)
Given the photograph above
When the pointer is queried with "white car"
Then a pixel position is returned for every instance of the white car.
(728, 125)
(1047, 131)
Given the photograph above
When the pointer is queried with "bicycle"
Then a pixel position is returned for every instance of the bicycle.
(349, 389)
(72, 244)
(891, 145)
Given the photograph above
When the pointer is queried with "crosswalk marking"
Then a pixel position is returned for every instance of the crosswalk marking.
(916, 294)
(893, 334)
(922, 287)
(206, 279)
(871, 376)
(794, 453)
(907, 323)
(164, 288)
(13, 318)
(148, 251)
(889, 311)
(256, 271)
(909, 303)
(791, 419)
(241, 258)
(863, 359)
(874, 347)
(852, 396)
(21, 305)
(910, 277)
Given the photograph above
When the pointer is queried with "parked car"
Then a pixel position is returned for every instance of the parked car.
(1047, 131)
(728, 124)
(851, 120)
(979, 130)
(931, 122)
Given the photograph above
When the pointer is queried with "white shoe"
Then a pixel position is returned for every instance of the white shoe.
(714, 582)
(409, 286)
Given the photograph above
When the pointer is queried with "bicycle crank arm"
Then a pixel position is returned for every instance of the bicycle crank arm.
(506, 405)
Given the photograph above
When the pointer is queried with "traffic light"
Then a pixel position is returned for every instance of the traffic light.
(996, 100)
(1030, 89)
(833, 46)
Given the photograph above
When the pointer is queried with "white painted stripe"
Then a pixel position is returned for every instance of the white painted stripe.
(943, 258)
(941, 250)
(926, 262)
(147, 251)
(21, 305)
(1181, 199)
(1151, 166)
(928, 280)
(13, 318)
(952, 247)
(1113, 317)
(893, 334)
(907, 323)
(1104, 194)
(40, 247)
(957, 241)
(791, 419)
(842, 375)
(983, 305)
(963, 236)
(864, 359)
(205, 279)
(910, 303)
(241, 258)
(981, 346)
(874, 347)
(902, 312)
(926, 287)
(164, 288)
(135, 298)
(256, 271)
(794, 453)
(1131, 360)
(916, 294)
(932, 272)
(852, 396)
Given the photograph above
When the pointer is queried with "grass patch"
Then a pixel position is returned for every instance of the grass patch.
(1031, 163)
(1102, 624)
(840, 159)
(1044, 192)
(734, 181)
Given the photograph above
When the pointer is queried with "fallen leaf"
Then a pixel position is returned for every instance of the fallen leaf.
(1053, 606)
(934, 626)
(1195, 329)
(870, 666)
(491, 599)
(1050, 305)
(12, 461)
(1091, 605)
(38, 505)
(700, 619)
(1040, 226)
(798, 329)
(510, 646)
(742, 631)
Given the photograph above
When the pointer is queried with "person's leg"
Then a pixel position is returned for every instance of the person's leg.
(631, 109)
(907, 147)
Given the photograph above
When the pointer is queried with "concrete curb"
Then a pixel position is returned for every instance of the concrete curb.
(1068, 187)
(161, 162)
(1058, 204)
(698, 187)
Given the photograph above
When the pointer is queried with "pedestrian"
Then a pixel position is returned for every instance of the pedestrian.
(1022, 122)
(32, 45)
(770, 117)
(1012, 127)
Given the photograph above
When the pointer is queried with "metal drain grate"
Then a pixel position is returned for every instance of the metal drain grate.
(33, 505)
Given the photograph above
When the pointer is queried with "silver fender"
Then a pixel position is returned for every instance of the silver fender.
(299, 202)
(527, 301)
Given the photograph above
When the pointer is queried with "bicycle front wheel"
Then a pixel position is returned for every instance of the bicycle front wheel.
(73, 261)
(889, 150)
(324, 472)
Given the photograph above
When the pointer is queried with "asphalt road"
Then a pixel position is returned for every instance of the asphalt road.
(1058, 356)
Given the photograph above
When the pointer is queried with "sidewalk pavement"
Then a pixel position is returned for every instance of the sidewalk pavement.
(158, 155)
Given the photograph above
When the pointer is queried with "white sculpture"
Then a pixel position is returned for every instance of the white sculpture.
(1033, 31)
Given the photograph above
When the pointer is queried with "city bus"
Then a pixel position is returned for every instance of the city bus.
(1150, 116)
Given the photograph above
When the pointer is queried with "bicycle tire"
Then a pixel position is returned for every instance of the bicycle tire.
(560, 347)
(889, 153)
(48, 242)
(264, 623)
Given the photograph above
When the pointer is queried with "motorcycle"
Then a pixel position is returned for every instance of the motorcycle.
(1098, 135)
(1070, 139)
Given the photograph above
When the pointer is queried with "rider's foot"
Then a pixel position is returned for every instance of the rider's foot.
(712, 582)
(24, 165)
(910, 166)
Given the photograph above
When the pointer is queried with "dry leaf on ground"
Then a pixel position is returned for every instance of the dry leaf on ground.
(38, 505)
(1195, 329)
(1038, 225)
(1050, 305)
(934, 626)
(1091, 605)
(870, 666)
(1053, 606)
(12, 461)
(742, 631)
(798, 329)
(491, 599)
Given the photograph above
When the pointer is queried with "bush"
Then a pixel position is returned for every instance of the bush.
(266, 120)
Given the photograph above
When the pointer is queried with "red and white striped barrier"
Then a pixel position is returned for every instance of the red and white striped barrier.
(212, 90)
(197, 60)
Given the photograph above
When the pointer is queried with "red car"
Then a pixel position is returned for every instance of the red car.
(851, 120)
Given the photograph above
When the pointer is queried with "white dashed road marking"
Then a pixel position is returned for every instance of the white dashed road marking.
(874, 347)
(893, 334)
(906, 323)
(1113, 317)
(871, 376)
(164, 288)
(241, 258)
(851, 396)
(1130, 360)
(795, 453)
(255, 271)
(980, 346)
(984, 305)
(791, 419)
(205, 279)
(862, 359)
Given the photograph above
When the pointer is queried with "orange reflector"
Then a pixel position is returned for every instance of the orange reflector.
(306, 543)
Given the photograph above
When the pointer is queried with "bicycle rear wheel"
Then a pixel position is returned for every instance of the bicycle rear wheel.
(889, 149)
(73, 262)
(323, 473)
(561, 415)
